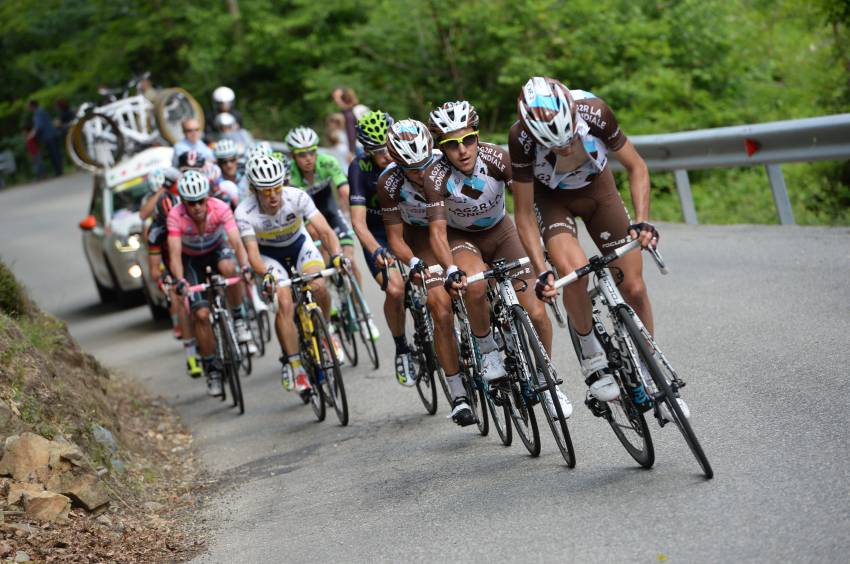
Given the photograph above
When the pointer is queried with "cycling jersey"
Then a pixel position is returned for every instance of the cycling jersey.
(363, 176)
(469, 202)
(326, 174)
(282, 229)
(599, 132)
(158, 229)
(219, 221)
(400, 199)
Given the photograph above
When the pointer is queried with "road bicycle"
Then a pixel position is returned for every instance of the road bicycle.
(469, 361)
(635, 361)
(530, 374)
(353, 320)
(226, 344)
(317, 350)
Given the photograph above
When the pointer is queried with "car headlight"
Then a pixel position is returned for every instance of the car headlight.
(131, 244)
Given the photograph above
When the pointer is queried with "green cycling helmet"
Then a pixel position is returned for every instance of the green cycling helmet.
(372, 129)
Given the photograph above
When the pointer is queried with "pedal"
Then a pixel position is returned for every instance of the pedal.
(596, 408)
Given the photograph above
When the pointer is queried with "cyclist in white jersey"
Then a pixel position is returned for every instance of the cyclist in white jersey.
(271, 223)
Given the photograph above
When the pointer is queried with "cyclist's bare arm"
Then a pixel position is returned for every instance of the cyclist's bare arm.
(236, 244)
(254, 258)
(358, 222)
(342, 191)
(526, 223)
(147, 208)
(326, 234)
(440, 242)
(638, 179)
(395, 238)
(175, 254)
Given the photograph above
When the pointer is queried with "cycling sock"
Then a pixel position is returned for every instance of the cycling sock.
(190, 347)
(590, 344)
(295, 361)
(237, 312)
(401, 345)
(456, 385)
(486, 343)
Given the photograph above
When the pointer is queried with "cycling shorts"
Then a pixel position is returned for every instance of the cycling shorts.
(418, 239)
(195, 272)
(498, 242)
(292, 258)
(599, 205)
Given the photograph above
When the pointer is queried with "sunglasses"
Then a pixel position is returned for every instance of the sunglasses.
(308, 151)
(194, 203)
(191, 130)
(468, 140)
(269, 191)
(227, 161)
(379, 152)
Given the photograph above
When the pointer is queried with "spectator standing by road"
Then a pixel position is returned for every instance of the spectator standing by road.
(335, 138)
(191, 142)
(351, 108)
(46, 135)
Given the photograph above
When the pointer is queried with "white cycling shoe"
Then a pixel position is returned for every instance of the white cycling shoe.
(214, 384)
(566, 405)
(243, 335)
(492, 366)
(373, 329)
(665, 411)
(605, 388)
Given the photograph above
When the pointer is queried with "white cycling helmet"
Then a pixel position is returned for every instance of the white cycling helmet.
(409, 142)
(223, 95)
(193, 186)
(226, 149)
(547, 111)
(223, 120)
(265, 171)
(452, 116)
(261, 148)
(302, 138)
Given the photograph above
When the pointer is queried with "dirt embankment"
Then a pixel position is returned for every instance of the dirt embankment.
(91, 467)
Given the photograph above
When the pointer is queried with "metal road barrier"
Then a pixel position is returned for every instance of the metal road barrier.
(769, 144)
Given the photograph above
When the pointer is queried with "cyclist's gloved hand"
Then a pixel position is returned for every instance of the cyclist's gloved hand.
(339, 261)
(646, 232)
(381, 257)
(269, 282)
(453, 281)
(182, 287)
(247, 273)
(544, 284)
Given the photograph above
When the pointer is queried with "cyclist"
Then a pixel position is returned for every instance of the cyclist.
(469, 227)
(199, 230)
(318, 174)
(227, 157)
(559, 154)
(191, 142)
(363, 173)
(271, 223)
(403, 209)
(224, 190)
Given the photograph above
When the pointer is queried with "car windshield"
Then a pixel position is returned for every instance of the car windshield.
(128, 195)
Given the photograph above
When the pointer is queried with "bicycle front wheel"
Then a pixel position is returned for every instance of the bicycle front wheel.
(498, 403)
(364, 318)
(660, 376)
(231, 364)
(332, 385)
(540, 364)
(346, 327)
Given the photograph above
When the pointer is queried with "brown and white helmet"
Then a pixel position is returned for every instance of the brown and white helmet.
(409, 142)
(452, 116)
(547, 111)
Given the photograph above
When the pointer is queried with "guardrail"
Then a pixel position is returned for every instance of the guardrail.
(769, 144)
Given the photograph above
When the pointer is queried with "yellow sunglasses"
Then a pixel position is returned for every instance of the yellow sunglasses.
(454, 142)
(269, 191)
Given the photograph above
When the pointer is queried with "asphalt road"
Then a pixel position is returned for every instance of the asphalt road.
(754, 317)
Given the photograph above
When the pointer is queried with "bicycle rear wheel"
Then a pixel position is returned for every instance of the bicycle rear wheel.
(627, 422)
(231, 364)
(363, 317)
(333, 388)
(539, 363)
(659, 374)
(346, 328)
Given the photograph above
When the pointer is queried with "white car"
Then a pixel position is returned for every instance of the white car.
(112, 232)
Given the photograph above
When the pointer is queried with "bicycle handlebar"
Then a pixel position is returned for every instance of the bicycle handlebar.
(306, 277)
(598, 263)
(498, 270)
(197, 288)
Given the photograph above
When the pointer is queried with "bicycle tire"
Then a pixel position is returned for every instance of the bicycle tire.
(254, 324)
(621, 414)
(316, 398)
(426, 361)
(247, 365)
(170, 128)
(232, 363)
(81, 150)
(266, 324)
(363, 317)
(524, 421)
(333, 386)
(70, 148)
(497, 403)
(470, 370)
(657, 373)
(220, 353)
(542, 364)
(346, 319)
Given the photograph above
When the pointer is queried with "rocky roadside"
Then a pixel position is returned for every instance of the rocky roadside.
(92, 468)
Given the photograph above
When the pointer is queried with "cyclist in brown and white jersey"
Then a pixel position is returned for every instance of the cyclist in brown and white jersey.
(400, 194)
(469, 227)
(559, 154)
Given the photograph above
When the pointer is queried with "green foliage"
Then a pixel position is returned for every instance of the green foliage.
(662, 65)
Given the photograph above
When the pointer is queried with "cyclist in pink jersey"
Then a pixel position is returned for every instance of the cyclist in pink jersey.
(199, 230)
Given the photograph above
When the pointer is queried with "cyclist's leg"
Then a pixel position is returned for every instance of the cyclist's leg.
(194, 269)
(309, 261)
(393, 295)
(284, 322)
(467, 257)
(226, 266)
(607, 227)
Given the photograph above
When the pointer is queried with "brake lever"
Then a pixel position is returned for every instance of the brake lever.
(659, 260)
